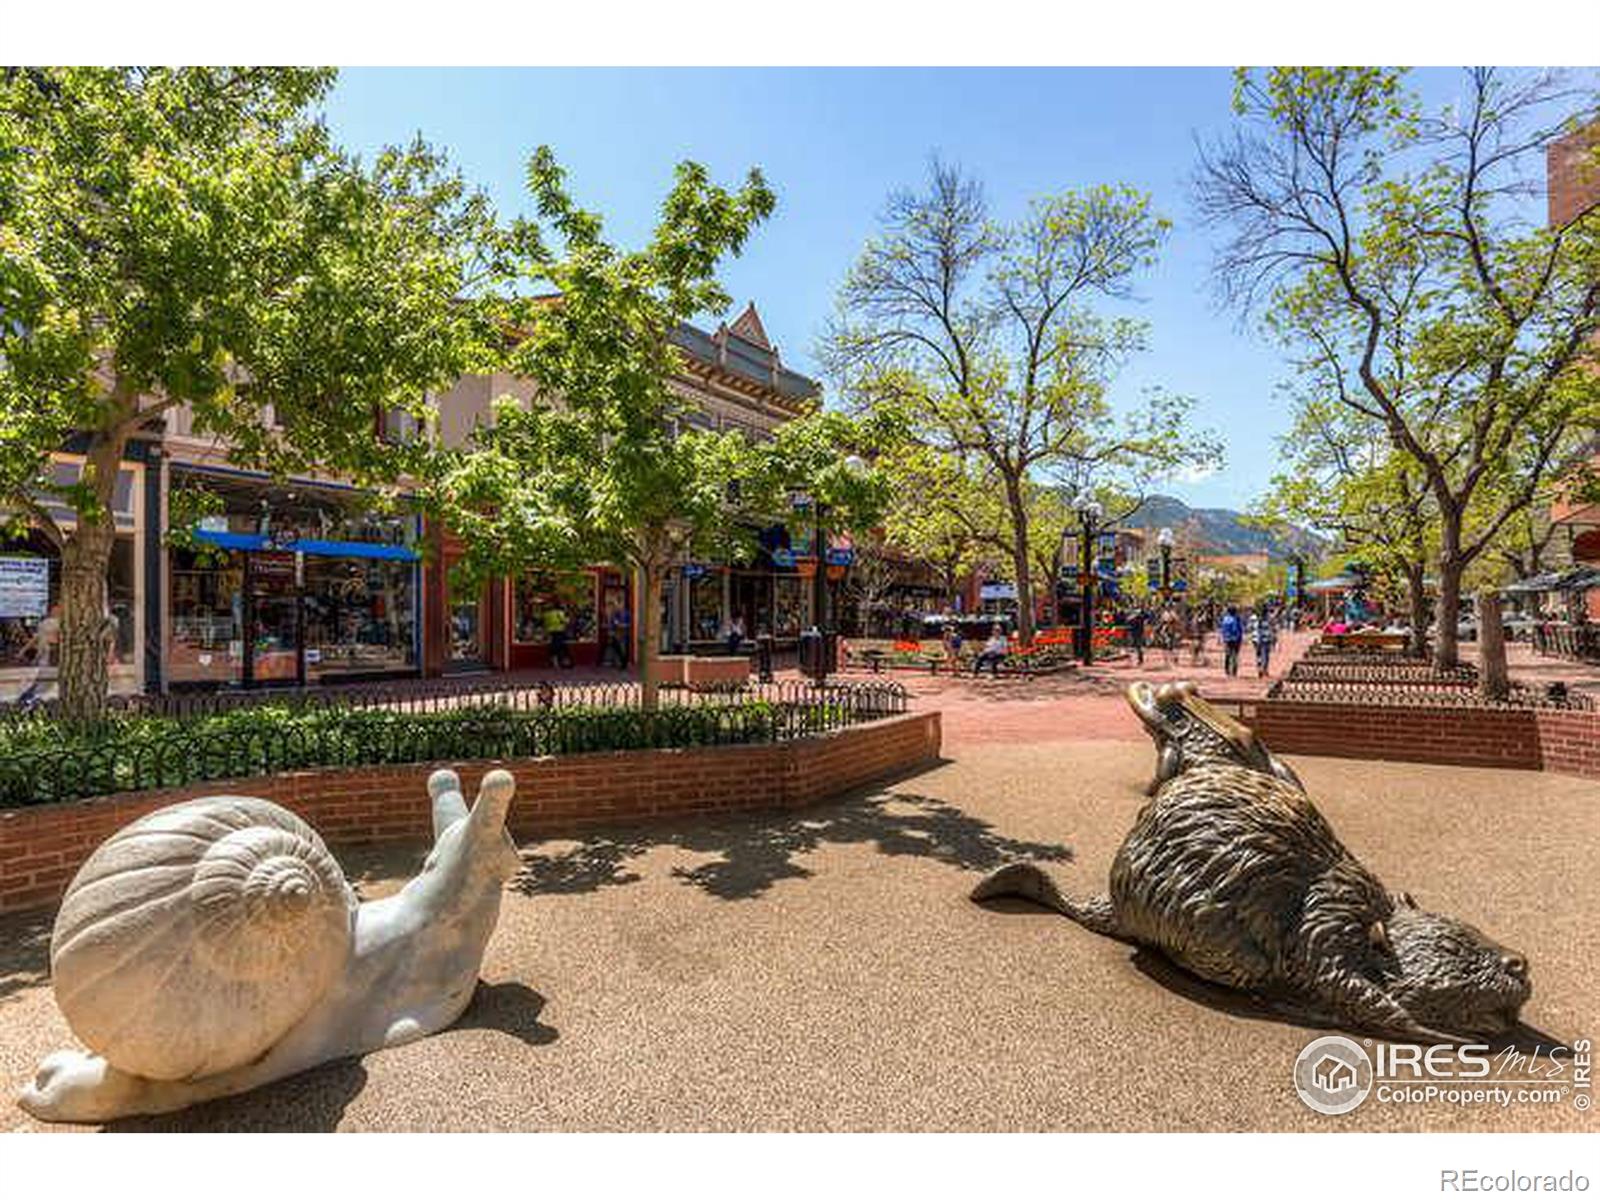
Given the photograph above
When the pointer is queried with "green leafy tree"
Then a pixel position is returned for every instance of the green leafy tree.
(1345, 479)
(598, 467)
(980, 335)
(1399, 256)
(192, 239)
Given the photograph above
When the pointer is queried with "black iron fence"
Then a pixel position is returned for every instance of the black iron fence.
(44, 763)
(1581, 642)
(1409, 682)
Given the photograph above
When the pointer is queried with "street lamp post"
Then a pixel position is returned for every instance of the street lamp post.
(1164, 540)
(1089, 517)
(819, 595)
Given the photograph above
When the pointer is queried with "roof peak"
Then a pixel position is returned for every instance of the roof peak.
(749, 327)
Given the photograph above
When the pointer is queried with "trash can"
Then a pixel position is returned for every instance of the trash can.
(811, 653)
(764, 657)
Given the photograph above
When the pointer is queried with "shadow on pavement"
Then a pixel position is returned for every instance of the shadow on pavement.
(25, 950)
(314, 1101)
(756, 851)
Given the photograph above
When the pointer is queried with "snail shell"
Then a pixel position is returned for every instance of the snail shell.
(193, 939)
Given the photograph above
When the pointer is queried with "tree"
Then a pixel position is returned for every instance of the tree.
(1345, 479)
(597, 467)
(1397, 254)
(979, 334)
(193, 238)
(930, 511)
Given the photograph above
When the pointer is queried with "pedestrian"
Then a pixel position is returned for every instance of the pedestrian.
(618, 628)
(735, 634)
(555, 627)
(1167, 631)
(1136, 620)
(1263, 635)
(992, 654)
(1232, 630)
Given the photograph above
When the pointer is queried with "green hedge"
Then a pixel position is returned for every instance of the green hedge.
(43, 763)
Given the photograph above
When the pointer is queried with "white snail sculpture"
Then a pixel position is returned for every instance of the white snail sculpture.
(215, 946)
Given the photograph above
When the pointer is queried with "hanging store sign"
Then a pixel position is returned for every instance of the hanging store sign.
(24, 586)
(694, 570)
(841, 556)
(782, 557)
(997, 591)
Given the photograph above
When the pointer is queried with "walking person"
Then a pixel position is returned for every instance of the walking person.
(1232, 630)
(1167, 630)
(1136, 623)
(1263, 636)
(555, 625)
(735, 638)
(618, 625)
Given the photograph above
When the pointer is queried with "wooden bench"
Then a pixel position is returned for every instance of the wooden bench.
(1369, 639)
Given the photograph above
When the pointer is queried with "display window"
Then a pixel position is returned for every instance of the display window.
(788, 606)
(30, 592)
(550, 601)
(705, 607)
(358, 613)
(207, 637)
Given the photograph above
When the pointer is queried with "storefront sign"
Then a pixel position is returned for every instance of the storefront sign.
(782, 557)
(694, 570)
(997, 591)
(277, 566)
(841, 556)
(24, 586)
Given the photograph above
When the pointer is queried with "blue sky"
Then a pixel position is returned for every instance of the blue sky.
(833, 143)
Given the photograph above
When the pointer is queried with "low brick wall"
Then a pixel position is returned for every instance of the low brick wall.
(1526, 739)
(42, 848)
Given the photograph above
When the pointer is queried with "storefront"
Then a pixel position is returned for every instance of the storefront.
(575, 609)
(292, 585)
(30, 589)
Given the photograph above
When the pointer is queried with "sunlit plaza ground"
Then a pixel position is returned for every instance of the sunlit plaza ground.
(824, 970)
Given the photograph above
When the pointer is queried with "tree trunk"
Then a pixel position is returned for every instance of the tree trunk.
(87, 629)
(1445, 652)
(649, 580)
(1493, 679)
(1019, 562)
(1417, 592)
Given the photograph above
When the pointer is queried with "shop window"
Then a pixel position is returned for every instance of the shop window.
(788, 606)
(705, 607)
(207, 616)
(358, 615)
(30, 603)
(551, 600)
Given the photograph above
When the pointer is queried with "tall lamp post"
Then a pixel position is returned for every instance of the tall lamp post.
(819, 595)
(1164, 540)
(1089, 516)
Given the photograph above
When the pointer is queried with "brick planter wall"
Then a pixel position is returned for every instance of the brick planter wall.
(42, 848)
(1527, 739)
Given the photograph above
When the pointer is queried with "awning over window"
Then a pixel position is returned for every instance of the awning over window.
(254, 541)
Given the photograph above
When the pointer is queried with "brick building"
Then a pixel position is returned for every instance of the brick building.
(1573, 168)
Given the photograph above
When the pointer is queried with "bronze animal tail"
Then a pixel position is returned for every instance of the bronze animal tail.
(1031, 882)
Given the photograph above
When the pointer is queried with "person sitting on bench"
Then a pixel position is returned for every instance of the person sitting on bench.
(992, 654)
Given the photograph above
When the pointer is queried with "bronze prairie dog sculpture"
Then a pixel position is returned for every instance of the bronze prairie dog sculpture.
(1232, 873)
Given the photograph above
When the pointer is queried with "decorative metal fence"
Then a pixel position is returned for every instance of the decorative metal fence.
(1581, 642)
(1408, 682)
(287, 732)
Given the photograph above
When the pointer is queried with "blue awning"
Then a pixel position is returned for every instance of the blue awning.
(255, 541)
(354, 550)
(232, 541)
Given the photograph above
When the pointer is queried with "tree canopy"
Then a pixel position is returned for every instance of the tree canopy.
(192, 239)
